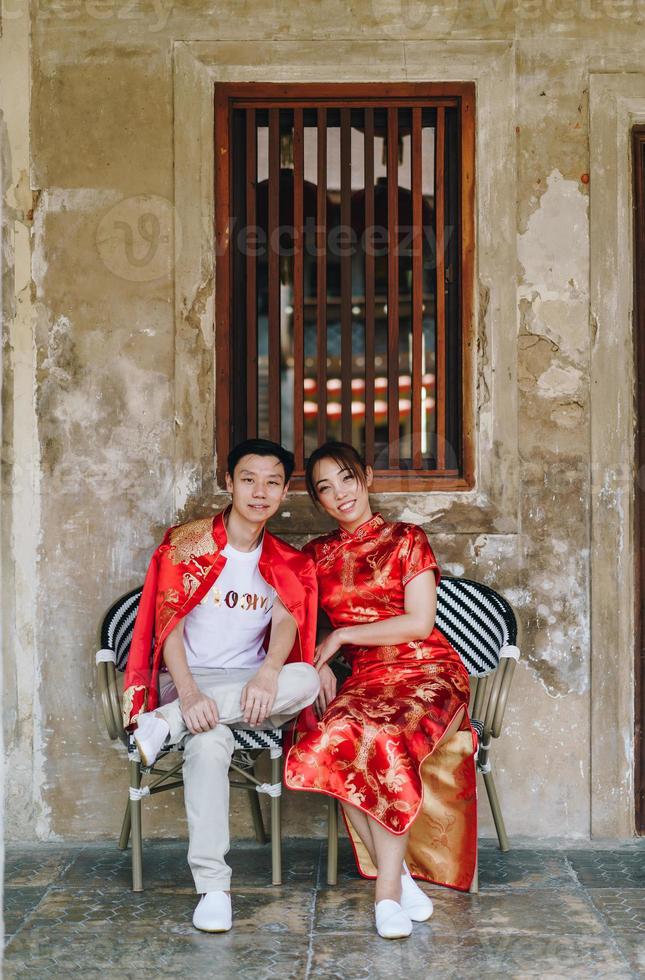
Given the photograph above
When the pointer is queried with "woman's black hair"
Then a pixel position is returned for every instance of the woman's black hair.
(261, 447)
(342, 453)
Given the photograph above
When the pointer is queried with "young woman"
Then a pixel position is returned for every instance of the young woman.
(395, 747)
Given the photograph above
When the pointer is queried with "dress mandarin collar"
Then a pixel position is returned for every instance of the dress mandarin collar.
(375, 523)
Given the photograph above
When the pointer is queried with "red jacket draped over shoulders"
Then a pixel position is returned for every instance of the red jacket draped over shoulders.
(182, 570)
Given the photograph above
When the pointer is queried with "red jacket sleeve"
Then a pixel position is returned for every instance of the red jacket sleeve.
(307, 719)
(310, 611)
(138, 669)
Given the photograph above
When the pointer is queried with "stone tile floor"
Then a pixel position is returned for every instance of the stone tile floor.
(544, 910)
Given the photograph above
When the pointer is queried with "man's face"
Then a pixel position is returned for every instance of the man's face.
(257, 487)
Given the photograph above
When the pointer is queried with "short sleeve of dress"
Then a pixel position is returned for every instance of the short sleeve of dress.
(417, 556)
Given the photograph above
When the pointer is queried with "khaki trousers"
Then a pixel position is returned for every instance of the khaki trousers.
(207, 757)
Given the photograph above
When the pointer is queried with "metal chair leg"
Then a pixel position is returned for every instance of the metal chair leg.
(256, 813)
(125, 829)
(135, 818)
(276, 819)
(332, 841)
(496, 810)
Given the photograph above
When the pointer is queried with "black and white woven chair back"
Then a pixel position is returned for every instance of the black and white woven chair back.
(118, 624)
(477, 621)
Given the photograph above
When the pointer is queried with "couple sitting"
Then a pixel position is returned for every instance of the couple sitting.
(226, 635)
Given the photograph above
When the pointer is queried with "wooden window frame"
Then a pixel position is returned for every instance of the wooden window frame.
(339, 95)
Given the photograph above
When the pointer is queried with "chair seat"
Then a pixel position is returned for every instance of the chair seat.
(246, 739)
(257, 738)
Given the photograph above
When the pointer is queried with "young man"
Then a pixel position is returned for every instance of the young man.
(225, 635)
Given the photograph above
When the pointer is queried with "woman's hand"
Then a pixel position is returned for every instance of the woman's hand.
(328, 648)
(328, 684)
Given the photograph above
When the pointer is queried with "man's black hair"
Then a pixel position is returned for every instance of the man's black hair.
(261, 447)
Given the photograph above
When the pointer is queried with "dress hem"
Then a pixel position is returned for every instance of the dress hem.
(396, 833)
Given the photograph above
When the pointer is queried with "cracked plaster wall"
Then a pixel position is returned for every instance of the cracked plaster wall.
(90, 471)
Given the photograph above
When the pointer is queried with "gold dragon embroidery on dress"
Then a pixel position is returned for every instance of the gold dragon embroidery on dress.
(380, 572)
(192, 540)
(347, 570)
(326, 554)
(388, 653)
(366, 745)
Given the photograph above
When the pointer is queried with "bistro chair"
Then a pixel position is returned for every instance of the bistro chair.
(250, 743)
(481, 626)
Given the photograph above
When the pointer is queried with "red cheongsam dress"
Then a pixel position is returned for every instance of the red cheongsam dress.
(396, 742)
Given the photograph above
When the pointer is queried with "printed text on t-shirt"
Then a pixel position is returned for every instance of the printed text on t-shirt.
(247, 601)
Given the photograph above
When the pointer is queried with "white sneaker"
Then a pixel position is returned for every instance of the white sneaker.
(414, 901)
(150, 735)
(213, 913)
(392, 922)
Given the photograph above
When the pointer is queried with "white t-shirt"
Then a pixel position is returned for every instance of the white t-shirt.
(227, 628)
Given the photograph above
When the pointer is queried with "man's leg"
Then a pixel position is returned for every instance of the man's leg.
(171, 714)
(207, 757)
(298, 686)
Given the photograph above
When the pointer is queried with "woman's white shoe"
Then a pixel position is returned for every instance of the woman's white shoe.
(414, 901)
(392, 922)
(213, 914)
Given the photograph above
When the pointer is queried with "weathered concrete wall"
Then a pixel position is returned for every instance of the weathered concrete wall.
(108, 366)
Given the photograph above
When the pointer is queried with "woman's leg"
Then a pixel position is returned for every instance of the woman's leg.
(386, 850)
(390, 851)
(361, 825)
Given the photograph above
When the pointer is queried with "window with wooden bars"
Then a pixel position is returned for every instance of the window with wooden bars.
(344, 274)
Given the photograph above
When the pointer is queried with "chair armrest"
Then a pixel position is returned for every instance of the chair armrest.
(109, 694)
(480, 699)
(496, 679)
(509, 656)
(102, 665)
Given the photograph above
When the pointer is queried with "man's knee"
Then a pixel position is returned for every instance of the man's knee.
(216, 744)
(305, 680)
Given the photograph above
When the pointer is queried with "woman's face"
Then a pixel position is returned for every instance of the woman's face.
(341, 495)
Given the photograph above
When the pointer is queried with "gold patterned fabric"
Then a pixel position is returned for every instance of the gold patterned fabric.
(396, 742)
(192, 540)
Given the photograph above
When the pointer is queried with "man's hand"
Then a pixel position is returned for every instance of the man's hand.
(199, 711)
(328, 684)
(259, 695)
